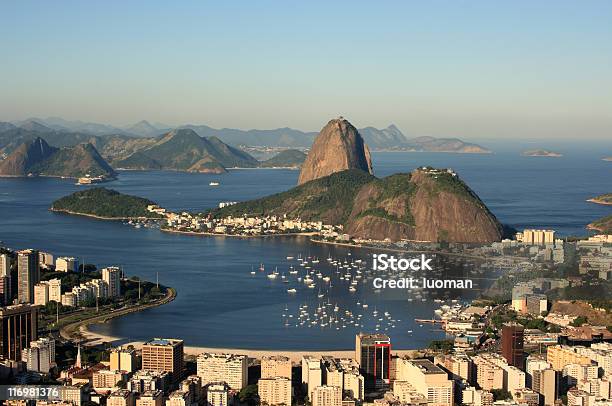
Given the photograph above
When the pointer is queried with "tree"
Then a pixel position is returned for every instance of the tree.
(579, 321)
(249, 395)
(500, 394)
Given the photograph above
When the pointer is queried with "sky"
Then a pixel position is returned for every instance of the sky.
(474, 69)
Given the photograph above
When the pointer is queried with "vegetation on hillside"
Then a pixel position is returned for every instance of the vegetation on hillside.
(320, 199)
(104, 202)
(603, 224)
(290, 158)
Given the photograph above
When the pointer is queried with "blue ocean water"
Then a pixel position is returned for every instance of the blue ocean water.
(220, 303)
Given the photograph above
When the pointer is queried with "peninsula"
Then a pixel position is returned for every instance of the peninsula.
(105, 204)
(603, 225)
(605, 199)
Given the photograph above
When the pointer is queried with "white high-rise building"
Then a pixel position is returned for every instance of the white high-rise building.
(66, 264)
(40, 356)
(55, 290)
(112, 276)
(229, 368)
(41, 294)
(5, 265)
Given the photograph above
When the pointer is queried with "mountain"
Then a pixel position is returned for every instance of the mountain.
(289, 158)
(37, 157)
(386, 138)
(432, 144)
(427, 205)
(338, 147)
(5, 126)
(144, 129)
(33, 125)
(59, 124)
(184, 150)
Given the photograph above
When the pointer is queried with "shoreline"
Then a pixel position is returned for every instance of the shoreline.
(293, 355)
(74, 213)
(207, 234)
(597, 201)
(80, 329)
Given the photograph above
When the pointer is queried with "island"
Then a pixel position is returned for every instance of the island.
(603, 225)
(541, 153)
(607, 158)
(106, 204)
(605, 199)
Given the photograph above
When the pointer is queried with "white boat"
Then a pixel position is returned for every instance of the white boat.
(272, 276)
(352, 289)
(213, 184)
(289, 258)
(291, 290)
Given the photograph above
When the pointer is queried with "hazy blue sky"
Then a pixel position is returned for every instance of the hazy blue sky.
(454, 68)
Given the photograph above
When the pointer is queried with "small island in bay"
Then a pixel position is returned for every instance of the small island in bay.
(603, 225)
(541, 153)
(106, 204)
(607, 158)
(605, 199)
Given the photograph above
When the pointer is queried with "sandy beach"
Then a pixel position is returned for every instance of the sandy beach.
(295, 356)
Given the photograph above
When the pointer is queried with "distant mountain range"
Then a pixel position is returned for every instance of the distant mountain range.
(390, 138)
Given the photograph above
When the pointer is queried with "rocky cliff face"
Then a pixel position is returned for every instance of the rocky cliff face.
(338, 147)
(425, 205)
(36, 157)
(25, 157)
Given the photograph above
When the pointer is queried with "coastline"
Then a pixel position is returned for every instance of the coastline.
(74, 213)
(207, 234)
(597, 201)
(80, 329)
(293, 355)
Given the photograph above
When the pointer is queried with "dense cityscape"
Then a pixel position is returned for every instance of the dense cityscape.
(531, 348)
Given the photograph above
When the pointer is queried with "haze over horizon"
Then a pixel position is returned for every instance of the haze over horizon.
(475, 70)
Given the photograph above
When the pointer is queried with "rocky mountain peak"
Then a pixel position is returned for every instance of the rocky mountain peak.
(338, 147)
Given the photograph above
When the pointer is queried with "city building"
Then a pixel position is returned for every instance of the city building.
(512, 338)
(561, 355)
(150, 398)
(18, 327)
(275, 391)
(66, 264)
(373, 353)
(28, 275)
(218, 394)
(40, 356)
(343, 373)
(123, 359)
(164, 354)
(458, 365)
(427, 379)
(5, 265)
(312, 374)
(489, 376)
(546, 383)
(112, 276)
(107, 380)
(41, 294)
(275, 366)
(327, 396)
(121, 397)
(179, 398)
(229, 368)
(536, 237)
